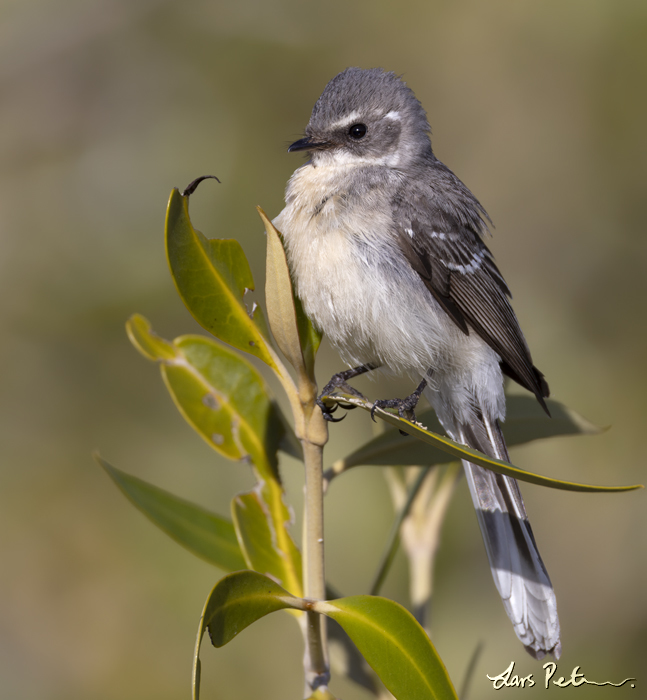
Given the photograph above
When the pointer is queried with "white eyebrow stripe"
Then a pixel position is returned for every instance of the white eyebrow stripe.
(343, 157)
(346, 121)
(393, 115)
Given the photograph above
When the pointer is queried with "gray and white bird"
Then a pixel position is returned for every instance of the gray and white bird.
(385, 245)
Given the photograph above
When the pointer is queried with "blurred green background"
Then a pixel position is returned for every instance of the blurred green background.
(539, 107)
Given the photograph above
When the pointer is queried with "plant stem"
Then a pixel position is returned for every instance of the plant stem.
(394, 535)
(469, 673)
(314, 581)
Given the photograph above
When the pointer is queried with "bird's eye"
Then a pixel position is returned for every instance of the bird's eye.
(357, 131)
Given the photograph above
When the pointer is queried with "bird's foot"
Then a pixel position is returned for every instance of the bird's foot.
(339, 381)
(405, 406)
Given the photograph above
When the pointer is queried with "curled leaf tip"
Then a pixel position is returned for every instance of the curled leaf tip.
(149, 344)
(193, 186)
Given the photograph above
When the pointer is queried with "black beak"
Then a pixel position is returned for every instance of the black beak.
(307, 144)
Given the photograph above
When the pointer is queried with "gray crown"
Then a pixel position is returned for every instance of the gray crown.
(378, 99)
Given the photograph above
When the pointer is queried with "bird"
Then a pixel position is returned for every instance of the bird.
(386, 250)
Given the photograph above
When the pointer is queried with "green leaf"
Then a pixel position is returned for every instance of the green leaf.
(395, 646)
(309, 335)
(240, 599)
(346, 660)
(149, 344)
(525, 421)
(289, 443)
(474, 456)
(261, 519)
(294, 333)
(204, 534)
(388, 636)
(219, 393)
(236, 602)
(322, 694)
(217, 384)
(211, 276)
(279, 299)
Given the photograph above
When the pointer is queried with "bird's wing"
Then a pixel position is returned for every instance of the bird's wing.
(442, 243)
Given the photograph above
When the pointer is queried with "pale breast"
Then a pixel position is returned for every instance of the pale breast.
(355, 284)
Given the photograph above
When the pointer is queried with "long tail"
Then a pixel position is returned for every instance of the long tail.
(518, 571)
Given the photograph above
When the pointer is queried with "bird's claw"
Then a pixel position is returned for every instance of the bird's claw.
(337, 382)
(405, 406)
(327, 412)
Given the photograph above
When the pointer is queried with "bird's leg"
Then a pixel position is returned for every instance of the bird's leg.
(405, 406)
(339, 381)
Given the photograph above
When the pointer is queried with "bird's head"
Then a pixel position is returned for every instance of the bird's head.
(366, 117)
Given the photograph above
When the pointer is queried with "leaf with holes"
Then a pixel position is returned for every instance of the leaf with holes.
(219, 393)
(261, 519)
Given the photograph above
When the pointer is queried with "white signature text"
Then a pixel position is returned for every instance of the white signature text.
(509, 679)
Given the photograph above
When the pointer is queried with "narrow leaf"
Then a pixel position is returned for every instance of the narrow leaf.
(474, 456)
(395, 646)
(309, 335)
(205, 534)
(525, 421)
(294, 333)
(236, 602)
(267, 546)
(289, 443)
(212, 276)
(279, 299)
